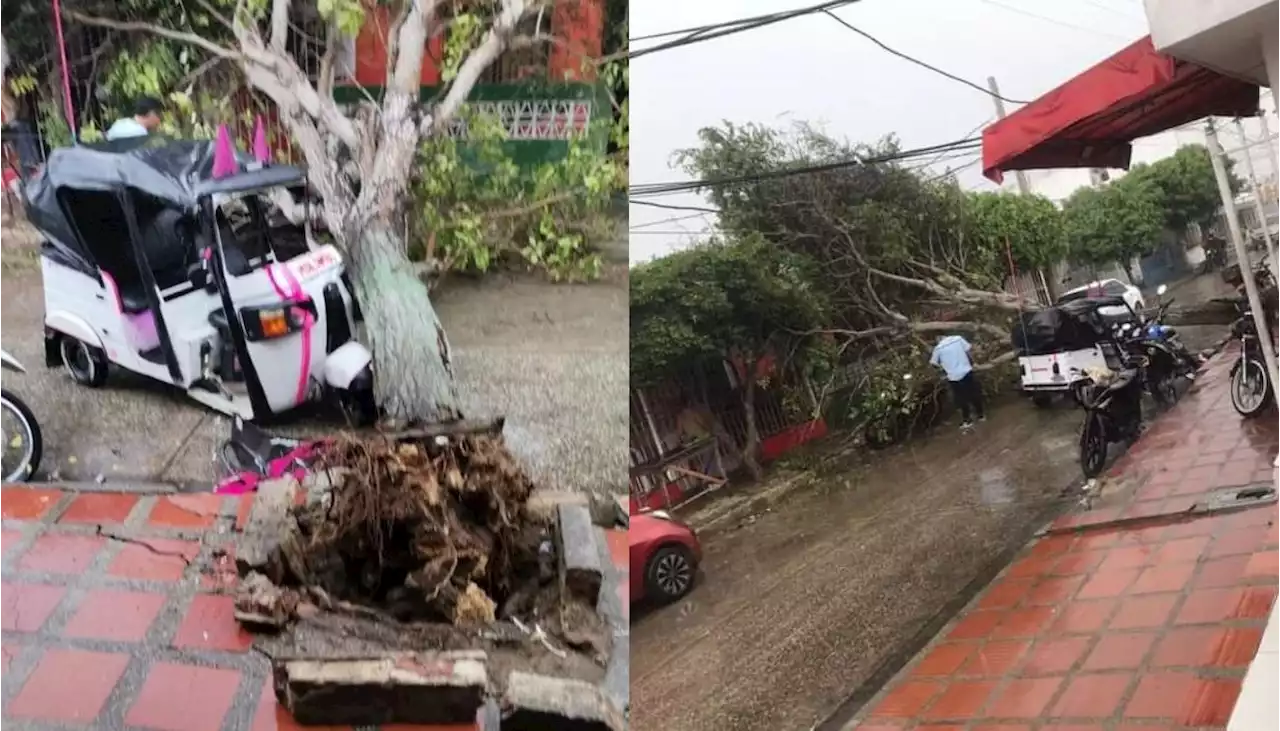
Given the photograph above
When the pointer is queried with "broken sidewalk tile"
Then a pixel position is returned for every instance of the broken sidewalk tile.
(258, 547)
(541, 703)
(410, 688)
(581, 568)
(617, 678)
(261, 605)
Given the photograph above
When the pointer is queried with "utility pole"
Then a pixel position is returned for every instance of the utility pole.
(1024, 186)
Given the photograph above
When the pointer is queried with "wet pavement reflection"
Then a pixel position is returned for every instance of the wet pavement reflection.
(800, 605)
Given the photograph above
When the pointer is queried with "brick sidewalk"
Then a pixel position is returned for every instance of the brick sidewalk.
(1135, 615)
(118, 634)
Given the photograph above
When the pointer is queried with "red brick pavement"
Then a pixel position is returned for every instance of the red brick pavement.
(109, 633)
(1199, 446)
(1133, 616)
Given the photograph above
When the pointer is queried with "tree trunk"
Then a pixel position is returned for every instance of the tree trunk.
(413, 371)
(751, 450)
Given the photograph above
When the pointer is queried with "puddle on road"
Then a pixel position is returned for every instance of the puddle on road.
(995, 488)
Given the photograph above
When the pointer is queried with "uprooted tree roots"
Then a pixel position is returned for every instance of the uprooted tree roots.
(436, 531)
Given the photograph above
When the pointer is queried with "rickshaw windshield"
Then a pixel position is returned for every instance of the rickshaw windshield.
(248, 236)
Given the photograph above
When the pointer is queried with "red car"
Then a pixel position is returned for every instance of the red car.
(664, 557)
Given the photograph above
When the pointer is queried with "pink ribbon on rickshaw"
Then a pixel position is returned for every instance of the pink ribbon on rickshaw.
(295, 296)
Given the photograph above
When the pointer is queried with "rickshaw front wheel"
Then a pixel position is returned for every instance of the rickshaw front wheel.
(357, 401)
(86, 364)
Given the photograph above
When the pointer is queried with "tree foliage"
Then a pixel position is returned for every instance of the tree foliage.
(891, 243)
(1115, 223)
(1030, 226)
(737, 300)
(1187, 185)
(734, 298)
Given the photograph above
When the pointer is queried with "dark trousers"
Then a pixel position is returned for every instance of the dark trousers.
(968, 395)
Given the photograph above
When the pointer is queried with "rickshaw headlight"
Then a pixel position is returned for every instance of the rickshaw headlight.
(273, 323)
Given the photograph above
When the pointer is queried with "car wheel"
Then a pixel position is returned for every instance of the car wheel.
(670, 573)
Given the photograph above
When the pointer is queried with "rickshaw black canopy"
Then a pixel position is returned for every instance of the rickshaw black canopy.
(1072, 325)
(173, 173)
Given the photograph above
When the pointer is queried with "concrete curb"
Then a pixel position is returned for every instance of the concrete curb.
(128, 487)
(747, 505)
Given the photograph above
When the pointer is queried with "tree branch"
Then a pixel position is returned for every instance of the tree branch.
(494, 43)
(173, 35)
(279, 25)
(280, 78)
(327, 74)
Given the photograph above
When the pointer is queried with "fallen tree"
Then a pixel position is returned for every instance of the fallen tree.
(360, 160)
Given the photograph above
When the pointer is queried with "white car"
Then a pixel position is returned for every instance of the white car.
(1108, 288)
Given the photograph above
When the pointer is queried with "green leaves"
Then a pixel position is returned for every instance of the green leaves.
(481, 207)
(702, 304)
(1030, 224)
(464, 33)
(1187, 186)
(1115, 223)
(347, 15)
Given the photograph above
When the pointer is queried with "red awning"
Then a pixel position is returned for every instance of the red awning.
(1090, 120)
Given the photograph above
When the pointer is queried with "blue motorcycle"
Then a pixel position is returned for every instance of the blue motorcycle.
(1166, 356)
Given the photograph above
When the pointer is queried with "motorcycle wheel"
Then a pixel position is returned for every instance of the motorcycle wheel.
(1093, 445)
(28, 438)
(1165, 392)
(1251, 390)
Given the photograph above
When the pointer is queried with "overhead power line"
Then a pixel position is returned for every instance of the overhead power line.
(720, 30)
(916, 61)
(966, 135)
(1055, 21)
(654, 189)
(673, 219)
(673, 207)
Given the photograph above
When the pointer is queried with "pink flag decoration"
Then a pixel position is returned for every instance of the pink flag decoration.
(261, 150)
(224, 154)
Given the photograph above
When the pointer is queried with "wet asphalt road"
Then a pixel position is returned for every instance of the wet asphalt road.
(551, 358)
(798, 607)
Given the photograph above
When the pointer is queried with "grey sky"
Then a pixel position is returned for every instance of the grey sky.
(813, 69)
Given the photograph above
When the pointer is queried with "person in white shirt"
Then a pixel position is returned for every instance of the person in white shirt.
(145, 120)
(951, 354)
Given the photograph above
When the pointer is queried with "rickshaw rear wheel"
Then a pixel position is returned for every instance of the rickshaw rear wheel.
(86, 364)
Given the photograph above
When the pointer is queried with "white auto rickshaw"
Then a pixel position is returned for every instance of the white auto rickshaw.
(154, 265)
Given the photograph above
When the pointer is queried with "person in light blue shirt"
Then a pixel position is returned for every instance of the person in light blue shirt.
(951, 354)
(145, 120)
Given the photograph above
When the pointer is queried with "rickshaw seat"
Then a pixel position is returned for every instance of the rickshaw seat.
(218, 319)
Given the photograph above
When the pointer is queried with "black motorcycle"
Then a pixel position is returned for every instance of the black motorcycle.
(1113, 413)
(1167, 357)
(1251, 388)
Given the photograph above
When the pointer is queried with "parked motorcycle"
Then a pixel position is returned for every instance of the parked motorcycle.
(1113, 413)
(1167, 357)
(1251, 387)
(23, 445)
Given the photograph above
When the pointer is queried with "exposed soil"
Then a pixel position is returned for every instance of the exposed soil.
(430, 531)
(418, 546)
